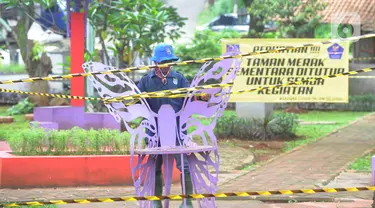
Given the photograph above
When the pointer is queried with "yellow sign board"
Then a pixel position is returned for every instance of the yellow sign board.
(291, 65)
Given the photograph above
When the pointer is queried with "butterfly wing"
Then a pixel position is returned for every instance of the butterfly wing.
(204, 166)
(105, 84)
(222, 72)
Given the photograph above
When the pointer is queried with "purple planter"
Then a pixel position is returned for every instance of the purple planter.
(67, 117)
(45, 125)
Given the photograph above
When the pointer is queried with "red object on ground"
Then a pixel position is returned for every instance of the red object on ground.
(63, 171)
(77, 52)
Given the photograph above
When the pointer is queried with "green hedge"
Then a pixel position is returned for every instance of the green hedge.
(77, 141)
(273, 126)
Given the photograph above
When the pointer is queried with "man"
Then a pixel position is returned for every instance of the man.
(165, 79)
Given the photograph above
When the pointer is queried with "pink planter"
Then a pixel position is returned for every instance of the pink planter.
(60, 171)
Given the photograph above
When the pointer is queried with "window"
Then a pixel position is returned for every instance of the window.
(227, 20)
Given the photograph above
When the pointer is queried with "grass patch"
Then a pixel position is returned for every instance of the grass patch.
(40, 206)
(310, 133)
(338, 116)
(362, 163)
(7, 130)
(13, 68)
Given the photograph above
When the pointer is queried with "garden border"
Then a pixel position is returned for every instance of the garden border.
(63, 171)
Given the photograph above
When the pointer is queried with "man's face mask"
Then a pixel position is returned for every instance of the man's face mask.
(164, 70)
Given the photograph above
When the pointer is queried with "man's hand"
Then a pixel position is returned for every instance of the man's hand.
(205, 96)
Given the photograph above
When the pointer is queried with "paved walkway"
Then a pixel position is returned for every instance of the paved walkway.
(313, 164)
(86, 192)
(237, 204)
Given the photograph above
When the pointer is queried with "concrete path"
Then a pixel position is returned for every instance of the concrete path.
(312, 165)
(238, 204)
(86, 192)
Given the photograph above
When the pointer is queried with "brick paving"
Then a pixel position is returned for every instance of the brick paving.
(174, 204)
(236, 204)
(313, 164)
(86, 192)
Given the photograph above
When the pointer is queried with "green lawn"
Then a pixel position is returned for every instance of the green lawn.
(313, 132)
(40, 206)
(7, 129)
(363, 163)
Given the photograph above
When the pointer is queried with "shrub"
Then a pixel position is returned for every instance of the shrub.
(77, 141)
(273, 126)
(286, 124)
(364, 102)
(23, 107)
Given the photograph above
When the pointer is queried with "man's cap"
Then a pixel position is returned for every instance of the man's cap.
(164, 52)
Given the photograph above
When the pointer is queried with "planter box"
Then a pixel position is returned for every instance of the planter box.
(61, 118)
(63, 171)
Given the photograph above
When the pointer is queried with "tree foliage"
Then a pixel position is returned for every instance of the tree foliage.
(131, 26)
(205, 44)
(134, 26)
(296, 18)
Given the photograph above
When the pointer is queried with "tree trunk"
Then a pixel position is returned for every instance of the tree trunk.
(13, 53)
(104, 54)
(40, 68)
(121, 62)
(211, 2)
(235, 7)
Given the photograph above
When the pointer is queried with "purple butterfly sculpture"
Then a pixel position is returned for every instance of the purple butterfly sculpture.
(199, 145)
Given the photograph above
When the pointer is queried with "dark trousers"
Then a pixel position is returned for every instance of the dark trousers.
(159, 163)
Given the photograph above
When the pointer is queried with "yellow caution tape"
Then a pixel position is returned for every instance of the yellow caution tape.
(362, 59)
(132, 69)
(168, 94)
(181, 92)
(191, 196)
(362, 77)
(50, 95)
